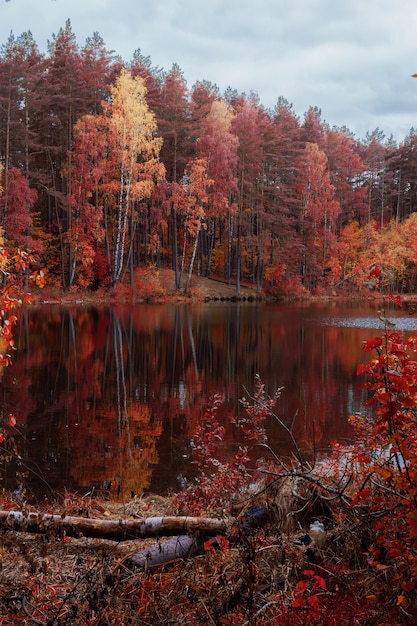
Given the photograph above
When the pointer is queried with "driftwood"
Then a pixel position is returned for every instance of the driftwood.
(116, 530)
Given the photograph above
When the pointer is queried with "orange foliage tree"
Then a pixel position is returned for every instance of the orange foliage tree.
(318, 214)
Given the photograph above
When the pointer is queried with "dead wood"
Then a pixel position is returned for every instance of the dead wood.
(184, 547)
(167, 553)
(116, 530)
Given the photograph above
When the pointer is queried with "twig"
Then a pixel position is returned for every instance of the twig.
(34, 620)
(261, 610)
(208, 614)
(310, 479)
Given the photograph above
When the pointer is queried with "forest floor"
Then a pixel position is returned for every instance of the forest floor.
(51, 579)
(265, 577)
(217, 289)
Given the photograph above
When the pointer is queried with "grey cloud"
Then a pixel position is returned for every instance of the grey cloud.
(352, 59)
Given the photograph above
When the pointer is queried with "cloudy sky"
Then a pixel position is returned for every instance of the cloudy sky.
(351, 58)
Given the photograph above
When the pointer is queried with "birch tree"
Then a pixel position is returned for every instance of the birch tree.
(193, 202)
(135, 149)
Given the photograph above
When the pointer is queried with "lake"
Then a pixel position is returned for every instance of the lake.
(109, 397)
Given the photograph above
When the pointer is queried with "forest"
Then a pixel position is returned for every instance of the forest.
(113, 170)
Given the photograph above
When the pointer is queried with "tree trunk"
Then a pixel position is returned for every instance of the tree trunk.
(168, 553)
(116, 530)
(185, 546)
(175, 247)
(190, 271)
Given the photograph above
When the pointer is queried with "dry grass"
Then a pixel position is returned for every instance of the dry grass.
(54, 580)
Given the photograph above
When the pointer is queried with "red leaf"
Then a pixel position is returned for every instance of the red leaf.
(396, 299)
(321, 582)
(371, 344)
(302, 585)
(374, 273)
(209, 546)
(313, 602)
(362, 367)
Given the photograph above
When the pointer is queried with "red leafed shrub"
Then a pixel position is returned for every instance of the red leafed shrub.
(381, 470)
(386, 455)
(148, 284)
(216, 481)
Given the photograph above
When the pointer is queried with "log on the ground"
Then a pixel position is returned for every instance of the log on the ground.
(183, 547)
(116, 530)
(168, 553)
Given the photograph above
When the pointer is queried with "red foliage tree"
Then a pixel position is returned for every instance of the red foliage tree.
(85, 201)
(218, 147)
(318, 214)
(16, 205)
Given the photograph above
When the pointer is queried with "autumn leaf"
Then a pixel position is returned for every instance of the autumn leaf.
(39, 277)
(374, 273)
(209, 545)
(313, 602)
(362, 367)
(395, 298)
(373, 343)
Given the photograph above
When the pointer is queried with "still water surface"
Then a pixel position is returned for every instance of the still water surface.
(111, 396)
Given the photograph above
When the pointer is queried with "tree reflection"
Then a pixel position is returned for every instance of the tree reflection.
(110, 397)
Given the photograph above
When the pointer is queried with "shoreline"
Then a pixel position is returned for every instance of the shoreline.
(203, 289)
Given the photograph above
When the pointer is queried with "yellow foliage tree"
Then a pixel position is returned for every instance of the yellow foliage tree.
(135, 155)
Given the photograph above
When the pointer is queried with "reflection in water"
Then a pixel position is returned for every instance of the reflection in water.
(109, 397)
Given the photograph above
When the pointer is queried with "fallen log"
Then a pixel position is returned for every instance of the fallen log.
(170, 552)
(116, 530)
(184, 547)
